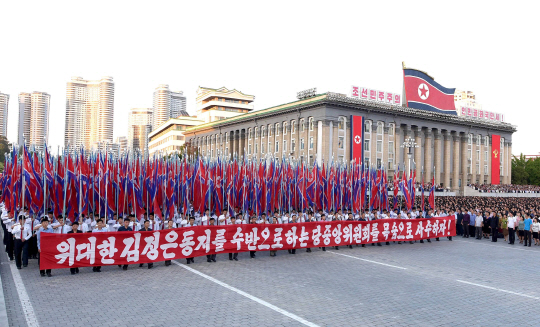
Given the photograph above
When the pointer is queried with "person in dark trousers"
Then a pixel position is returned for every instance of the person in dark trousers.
(211, 257)
(191, 224)
(512, 223)
(146, 228)
(169, 225)
(527, 229)
(233, 256)
(125, 228)
(45, 228)
(459, 223)
(494, 223)
(252, 253)
(22, 234)
(466, 221)
(74, 229)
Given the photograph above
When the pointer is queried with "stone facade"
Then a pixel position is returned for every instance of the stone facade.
(318, 129)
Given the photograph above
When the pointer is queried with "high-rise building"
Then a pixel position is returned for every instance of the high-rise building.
(167, 104)
(89, 112)
(217, 104)
(122, 142)
(25, 115)
(34, 119)
(4, 101)
(140, 125)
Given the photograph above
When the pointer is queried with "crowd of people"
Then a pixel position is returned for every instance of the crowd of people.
(506, 188)
(479, 217)
(502, 218)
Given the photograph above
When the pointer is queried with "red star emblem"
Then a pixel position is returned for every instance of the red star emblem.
(423, 91)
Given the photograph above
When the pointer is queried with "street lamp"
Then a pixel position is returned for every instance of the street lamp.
(409, 144)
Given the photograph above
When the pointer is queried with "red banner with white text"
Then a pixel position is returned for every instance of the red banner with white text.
(119, 248)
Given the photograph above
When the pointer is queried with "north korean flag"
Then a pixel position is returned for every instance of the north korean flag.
(422, 92)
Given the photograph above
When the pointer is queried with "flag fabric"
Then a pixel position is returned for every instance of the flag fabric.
(422, 92)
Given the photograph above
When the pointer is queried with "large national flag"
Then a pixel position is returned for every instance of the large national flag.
(422, 92)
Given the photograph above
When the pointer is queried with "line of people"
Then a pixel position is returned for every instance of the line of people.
(22, 235)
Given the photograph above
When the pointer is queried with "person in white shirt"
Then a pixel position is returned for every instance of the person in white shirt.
(512, 223)
(22, 235)
(100, 228)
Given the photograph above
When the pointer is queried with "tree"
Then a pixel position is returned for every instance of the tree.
(519, 170)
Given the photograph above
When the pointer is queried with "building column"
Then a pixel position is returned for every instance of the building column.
(480, 161)
(437, 159)
(509, 162)
(428, 167)
(242, 142)
(464, 162)
(418, 152)
(447, 162)
(399, 150)
(408, 133)
(455, 166)
(319, 142)
(473, 160)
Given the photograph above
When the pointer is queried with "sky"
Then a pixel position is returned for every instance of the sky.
(272, 50)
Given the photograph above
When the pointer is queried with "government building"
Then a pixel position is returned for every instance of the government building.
(455, 149)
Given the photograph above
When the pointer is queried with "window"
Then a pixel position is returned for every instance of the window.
(249, 148)
(477, 156)
(270, 128)
(391, 131)
(486, 140)
(379, 163)
(485, 156)
(379, 128)
(485, 169)
(469, 154)
(277, 147)
(262, 148)
(269, 147)
(293, 145)
(469, 140)
(311, 143)
(340, 142)
(277, 129)
(478, 141)
(379, 146)
(390, 164)
(341, 123)
(263, 131)
(302, 125)
(302, 144)
(366, 145)
(366, 162)
(477, 168)
(293, 127)
(311, 123)
(249, 134)
(256, 148)
(391, 147)
(256, 132)
(367, 127)
(285, 128)
(284, 146)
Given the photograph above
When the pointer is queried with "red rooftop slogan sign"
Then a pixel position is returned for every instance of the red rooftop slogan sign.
(120, 248)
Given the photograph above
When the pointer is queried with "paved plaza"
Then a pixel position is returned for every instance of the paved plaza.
(463, 282)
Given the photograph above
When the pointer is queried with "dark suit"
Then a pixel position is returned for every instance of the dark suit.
(494, 223)
(74, 270)
(459, 226)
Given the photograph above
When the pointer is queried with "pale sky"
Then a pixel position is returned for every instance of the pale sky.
(271, 50)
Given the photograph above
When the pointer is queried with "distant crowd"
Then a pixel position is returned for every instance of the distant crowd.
(508, 188)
